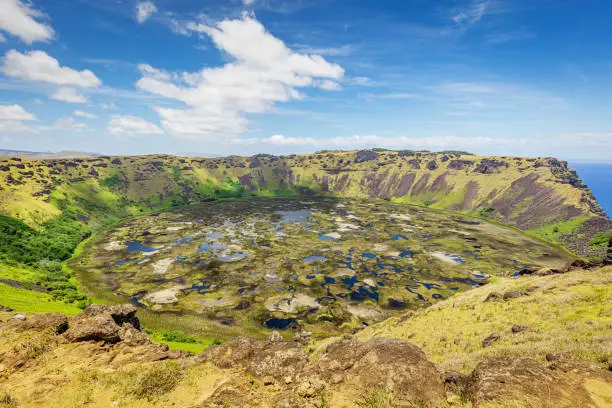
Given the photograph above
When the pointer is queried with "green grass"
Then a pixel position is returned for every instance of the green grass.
(552, 231)
(177, 340)
(26, 301)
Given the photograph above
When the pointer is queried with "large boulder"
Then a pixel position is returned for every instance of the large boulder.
(523, 382)
(398, 366)
(104, 323)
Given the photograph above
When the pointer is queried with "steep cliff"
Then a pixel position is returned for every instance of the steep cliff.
(543, 195)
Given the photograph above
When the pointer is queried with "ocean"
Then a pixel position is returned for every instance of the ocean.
(598, 176)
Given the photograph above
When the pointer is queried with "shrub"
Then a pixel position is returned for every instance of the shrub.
(154, 381)
(178, 337)
(601, 240)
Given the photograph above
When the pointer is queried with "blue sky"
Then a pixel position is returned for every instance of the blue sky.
(246, 76)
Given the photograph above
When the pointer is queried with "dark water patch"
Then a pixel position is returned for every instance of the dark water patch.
(329, 280)
(429, 286)
(406, 253)
(350, 282)
(398, 237)
(437, 296)
(468, 222)
(279, 324)
(137, 246)
(369, 255)
(363, 293)
(397, 304)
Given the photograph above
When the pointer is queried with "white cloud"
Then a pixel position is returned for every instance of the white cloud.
(342, 51)
(15, 112)
(264, 71)
(144, 11)
(556, 145)
(18, 18)
(84, 114)
(66, 94)
(328, 85)
(2, 38)
(67, 123)
(471, 14)
(124, 125)
(248, 2)
(108, 106)
(40, 67)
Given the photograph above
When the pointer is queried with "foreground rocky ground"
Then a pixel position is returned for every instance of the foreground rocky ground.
(554, 351)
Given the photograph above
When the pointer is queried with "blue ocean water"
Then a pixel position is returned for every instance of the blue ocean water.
(598, 176)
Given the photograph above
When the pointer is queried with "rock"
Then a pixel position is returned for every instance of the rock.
(5, 309)
(310, 387)
(365, 155)
(19, 316)
(432, 165)
(544, 272)
(513, 294)
(494, 297)
(58, 323)
(275, 337)
(517, 328)
(398, 365)
(268, 381)
(491, 339)
(103, 323)
(133, 337)
(455, 382)
(302, 337)
(510, 381)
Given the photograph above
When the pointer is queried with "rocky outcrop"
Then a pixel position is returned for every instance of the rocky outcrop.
(526, 382)
(365, 155)
(109, 324)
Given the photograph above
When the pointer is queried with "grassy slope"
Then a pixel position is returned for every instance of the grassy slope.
(565, 313)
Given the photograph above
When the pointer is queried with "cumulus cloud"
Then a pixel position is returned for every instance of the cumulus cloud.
(68, 123)
(66, 94)
(84, 114)
(263, 72)
(144, 10)
(38, 66)
(125, 125)
(18, 18)
(15, 112)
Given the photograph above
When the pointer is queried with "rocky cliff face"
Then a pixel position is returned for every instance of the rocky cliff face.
(526, 192)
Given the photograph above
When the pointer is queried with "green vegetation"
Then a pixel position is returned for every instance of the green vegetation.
(552, 232)
(486, 212)
(601, 240)
(178, 340)
(26, 301)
